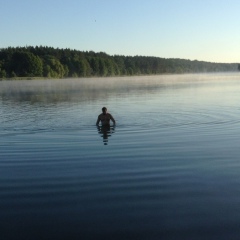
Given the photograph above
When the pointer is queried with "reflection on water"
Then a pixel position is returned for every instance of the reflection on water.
(106, 132)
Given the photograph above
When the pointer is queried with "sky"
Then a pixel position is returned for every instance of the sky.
(204, 30)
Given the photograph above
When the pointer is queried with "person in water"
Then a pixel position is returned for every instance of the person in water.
(105, 118)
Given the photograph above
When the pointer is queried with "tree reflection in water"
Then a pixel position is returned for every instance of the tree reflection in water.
(106, 132)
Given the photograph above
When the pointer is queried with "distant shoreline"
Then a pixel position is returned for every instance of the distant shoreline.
(31, 63)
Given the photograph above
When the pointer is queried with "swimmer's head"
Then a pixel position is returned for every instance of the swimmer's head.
(104, 110)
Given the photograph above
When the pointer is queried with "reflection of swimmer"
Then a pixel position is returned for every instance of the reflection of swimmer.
(106, 132)
(105, 118)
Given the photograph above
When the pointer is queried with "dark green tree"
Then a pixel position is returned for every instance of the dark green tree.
(26, 64)
(53, 67)
(3, 73)
(103, 71)
(94, 62)
(110, 67)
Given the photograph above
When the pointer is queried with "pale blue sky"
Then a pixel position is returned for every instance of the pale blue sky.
(206, 30)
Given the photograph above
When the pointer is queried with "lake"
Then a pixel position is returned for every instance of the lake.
(169, 169)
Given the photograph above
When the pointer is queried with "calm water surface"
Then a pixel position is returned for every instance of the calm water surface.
(170, 169)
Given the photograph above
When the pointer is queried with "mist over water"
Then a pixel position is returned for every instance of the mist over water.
(168, 170)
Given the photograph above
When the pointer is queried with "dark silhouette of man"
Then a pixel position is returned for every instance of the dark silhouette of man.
(105, 118)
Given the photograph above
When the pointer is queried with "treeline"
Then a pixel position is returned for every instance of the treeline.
(59, 63)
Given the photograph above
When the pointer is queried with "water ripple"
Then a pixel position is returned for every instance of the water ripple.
(173, 155)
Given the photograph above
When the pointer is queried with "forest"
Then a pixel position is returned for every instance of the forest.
(49, 62)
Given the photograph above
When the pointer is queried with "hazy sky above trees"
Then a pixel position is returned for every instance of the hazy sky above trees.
(191, 29)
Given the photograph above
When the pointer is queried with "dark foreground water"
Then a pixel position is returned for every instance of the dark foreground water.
(170, 169)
